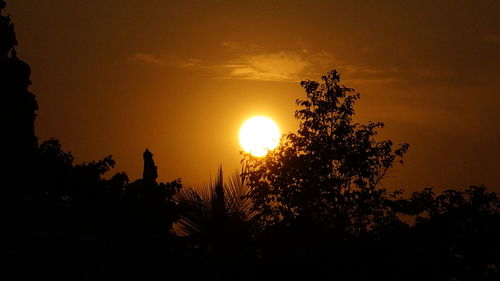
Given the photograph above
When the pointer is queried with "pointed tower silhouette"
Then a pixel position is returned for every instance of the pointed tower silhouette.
(17, 122)
(17, 112)
(150, 172)
(18, 104)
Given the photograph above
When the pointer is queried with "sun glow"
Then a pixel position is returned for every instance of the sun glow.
(259, 135)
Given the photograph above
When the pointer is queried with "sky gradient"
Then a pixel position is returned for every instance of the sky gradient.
(180, 77)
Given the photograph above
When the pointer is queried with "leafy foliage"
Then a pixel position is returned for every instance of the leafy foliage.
(329, 171)
(457, 230)
(79, 194)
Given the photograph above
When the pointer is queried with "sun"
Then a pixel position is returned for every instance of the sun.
(259, 135)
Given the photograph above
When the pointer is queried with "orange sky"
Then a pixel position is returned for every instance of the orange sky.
(180, 77)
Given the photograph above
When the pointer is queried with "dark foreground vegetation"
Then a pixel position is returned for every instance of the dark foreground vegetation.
(313, 208)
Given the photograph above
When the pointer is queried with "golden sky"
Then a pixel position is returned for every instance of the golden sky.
(180, 77)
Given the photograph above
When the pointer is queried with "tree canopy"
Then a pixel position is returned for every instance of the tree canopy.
(329, 171)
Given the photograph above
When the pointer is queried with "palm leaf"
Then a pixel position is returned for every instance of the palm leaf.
(206, 208)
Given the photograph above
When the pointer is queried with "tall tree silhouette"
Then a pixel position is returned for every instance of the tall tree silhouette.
(328, 173)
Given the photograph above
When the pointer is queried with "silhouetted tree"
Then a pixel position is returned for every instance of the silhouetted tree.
(218, 220)
(328, 173)
(218, 215)
(218, 209)
(91, 202)
(457, 232)
(54, 171)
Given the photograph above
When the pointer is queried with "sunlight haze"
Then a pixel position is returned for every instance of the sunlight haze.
(180, 77)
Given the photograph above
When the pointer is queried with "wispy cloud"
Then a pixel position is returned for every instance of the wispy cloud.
(281, 66)
(234, 45)
(254, 62)
(166, 60)
(148, 58)
(297, 65)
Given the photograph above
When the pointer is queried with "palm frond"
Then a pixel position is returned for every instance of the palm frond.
(205, 207)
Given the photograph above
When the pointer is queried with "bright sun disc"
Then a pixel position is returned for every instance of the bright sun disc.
(258, 135)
